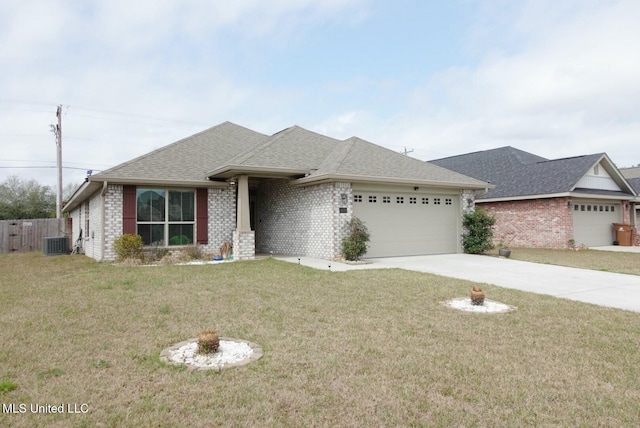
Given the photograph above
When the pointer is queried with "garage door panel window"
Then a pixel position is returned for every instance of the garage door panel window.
(357, 198)
(373, 199)
(595, 208)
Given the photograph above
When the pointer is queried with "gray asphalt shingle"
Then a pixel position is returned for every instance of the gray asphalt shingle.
(518, 173)
(294, 148)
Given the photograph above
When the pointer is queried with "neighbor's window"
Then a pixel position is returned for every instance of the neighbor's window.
(165, 217)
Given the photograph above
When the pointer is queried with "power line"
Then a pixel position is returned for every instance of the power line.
(48, 166)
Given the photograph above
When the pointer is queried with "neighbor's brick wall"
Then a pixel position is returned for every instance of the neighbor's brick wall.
(536, 223)
(300, 220)
(222, 218)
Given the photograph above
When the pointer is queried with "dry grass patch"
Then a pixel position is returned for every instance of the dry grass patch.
(361, 348)
(607, 261)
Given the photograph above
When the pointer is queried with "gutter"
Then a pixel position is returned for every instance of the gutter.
(481, 194)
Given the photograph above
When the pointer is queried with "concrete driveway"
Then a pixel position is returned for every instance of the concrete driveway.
(615, 290)
(601, 288)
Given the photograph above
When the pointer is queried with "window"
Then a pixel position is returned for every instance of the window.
(165, 217)
(581, 207)
(412, 200)
(358, 198)
(447, 201)
(613, 208)
(600, 207)
(606, 208)
(425, 201)
(588, 207)
(399, 200)
(373, 199)
(386, 199)
(576, 207)
(436, 201)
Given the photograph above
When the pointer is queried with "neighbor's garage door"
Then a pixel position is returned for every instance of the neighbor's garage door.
(592, 222)
(409, 223)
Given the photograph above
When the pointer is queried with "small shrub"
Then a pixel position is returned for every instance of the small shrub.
(179, 240)
(354, 245)
(478, 236)
(156, 253)
(208, 342)
(193, 252)
(129, 246)
(7, 385)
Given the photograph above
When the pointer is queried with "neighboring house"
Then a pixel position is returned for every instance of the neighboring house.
(546, 203)
(292, 192)
(633, 177)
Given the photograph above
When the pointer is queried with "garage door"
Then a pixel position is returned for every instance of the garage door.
(592, 222)
(409, 223)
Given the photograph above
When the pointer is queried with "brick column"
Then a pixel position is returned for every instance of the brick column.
(244, 245)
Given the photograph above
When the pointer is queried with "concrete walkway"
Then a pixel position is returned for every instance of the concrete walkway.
(618, 249)
(601, 288)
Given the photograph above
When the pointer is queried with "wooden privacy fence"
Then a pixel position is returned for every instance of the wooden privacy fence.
(28, 235)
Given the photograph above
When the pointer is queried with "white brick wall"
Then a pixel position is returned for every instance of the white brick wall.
(301, 220)
(93, 246)
(113, 219)
(222, 217)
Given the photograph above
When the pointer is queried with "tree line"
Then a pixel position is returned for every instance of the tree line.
(21, 198)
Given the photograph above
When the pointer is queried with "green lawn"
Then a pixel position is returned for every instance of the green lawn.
(607, 261)
(361, 348)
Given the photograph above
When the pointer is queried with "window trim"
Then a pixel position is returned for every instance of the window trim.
(167, 222)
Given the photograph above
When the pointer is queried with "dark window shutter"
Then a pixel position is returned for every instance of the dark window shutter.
(129, 209)
(202, 216)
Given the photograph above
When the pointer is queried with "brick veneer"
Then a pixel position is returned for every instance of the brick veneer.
(301, 220)
(244, 245)
(536, 223)
(222, 218)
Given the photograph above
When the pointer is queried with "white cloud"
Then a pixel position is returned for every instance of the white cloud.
(568, 85)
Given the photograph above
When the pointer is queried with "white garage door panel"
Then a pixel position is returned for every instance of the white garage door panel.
(592, 222)
(418, 223)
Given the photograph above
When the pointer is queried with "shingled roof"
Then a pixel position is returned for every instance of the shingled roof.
(212, 156)
(517, 174)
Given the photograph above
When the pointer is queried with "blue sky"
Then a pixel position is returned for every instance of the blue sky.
(439, 78)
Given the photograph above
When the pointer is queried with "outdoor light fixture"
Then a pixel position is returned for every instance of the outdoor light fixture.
(344, 199)
(569, 204)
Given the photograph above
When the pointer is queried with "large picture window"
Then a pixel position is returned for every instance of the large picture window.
(165, 217)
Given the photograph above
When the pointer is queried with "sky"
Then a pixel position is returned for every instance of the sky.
(432, 78)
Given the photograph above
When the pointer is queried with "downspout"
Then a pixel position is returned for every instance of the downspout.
(479, 195)
(102, 214)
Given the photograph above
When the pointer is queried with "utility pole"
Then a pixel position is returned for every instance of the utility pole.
(406, 152)
(57, 130)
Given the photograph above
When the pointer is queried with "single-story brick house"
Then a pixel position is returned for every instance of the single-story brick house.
(292, 192)
(546, 203)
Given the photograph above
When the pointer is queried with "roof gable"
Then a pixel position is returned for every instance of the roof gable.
(519, 174)
(188, 159)
(356, 157)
